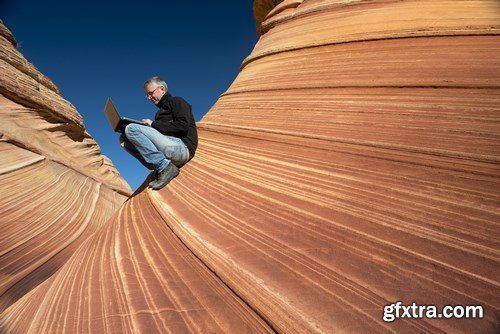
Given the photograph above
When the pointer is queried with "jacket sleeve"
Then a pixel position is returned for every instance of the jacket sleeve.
(179, 123)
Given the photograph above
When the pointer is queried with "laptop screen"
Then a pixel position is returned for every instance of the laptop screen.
(112, 114)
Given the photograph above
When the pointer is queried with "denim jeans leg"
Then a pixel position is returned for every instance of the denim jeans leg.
(174, 149)
(136, 134)
(156, 148)
(130, 148)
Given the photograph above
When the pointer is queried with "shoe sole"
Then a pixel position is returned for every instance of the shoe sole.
(150, 184)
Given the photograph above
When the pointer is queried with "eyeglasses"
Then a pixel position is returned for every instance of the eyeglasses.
(149, 94)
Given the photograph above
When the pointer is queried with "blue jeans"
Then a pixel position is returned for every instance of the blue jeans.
(152, 148)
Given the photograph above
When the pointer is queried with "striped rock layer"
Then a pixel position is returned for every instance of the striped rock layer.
(56, 189)
(353, 163)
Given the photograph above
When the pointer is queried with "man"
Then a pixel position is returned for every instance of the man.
(167, 142)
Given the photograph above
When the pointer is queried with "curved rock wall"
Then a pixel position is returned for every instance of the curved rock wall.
(56, 189)
(353, 163)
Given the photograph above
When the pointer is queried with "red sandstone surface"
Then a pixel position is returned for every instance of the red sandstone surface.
(56, 189)
(353, 163)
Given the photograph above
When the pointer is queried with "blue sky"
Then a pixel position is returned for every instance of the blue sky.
(97, 49)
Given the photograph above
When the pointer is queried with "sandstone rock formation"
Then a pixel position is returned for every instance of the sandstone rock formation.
(353, 163)
(56, 188)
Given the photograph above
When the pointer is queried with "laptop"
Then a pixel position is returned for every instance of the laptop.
(117, 122)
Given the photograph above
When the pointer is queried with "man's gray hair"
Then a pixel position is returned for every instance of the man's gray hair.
(156, 81)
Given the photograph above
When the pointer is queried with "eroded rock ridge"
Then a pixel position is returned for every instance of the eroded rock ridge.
(56, 188)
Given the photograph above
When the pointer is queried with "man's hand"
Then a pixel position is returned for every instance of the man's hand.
(147, 121)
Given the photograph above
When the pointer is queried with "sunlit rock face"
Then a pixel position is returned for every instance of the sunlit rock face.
(56, 189)
(353, 163)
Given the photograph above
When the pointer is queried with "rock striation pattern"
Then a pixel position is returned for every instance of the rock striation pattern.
(353, 163)
(56, 188)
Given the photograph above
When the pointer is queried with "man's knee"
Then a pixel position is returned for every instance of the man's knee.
(131, 129)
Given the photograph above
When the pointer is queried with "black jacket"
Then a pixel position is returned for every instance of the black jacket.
(175, 119)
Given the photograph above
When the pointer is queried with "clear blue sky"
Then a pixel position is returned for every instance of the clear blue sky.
(97, 49)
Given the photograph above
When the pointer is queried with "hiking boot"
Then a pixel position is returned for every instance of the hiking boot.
(152, 176)
(165, 176)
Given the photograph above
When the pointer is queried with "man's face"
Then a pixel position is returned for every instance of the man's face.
(154, 93)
